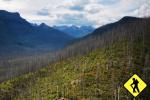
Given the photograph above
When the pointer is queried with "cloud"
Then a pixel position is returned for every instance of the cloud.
(78, 8)
(76, 19)
(108, 2)
(43, 12)
(144, 10)
(77, 12)
(7, 0)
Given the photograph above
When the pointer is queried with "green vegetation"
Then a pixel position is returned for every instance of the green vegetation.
(94, 68)
(95, 76)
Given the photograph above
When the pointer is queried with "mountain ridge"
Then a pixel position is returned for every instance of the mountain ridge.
(110, 26)
(19, 35)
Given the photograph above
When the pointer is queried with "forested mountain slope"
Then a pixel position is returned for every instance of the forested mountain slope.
(94, 68)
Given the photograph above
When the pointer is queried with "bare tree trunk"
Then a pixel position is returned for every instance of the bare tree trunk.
(115, 94)
(118, 92)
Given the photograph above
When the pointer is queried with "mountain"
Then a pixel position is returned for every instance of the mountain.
(111, 26)
(76, 31)
(18, 35)
(93, 68)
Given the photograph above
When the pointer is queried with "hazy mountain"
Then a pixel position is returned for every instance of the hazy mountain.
(75, 31)
(17, 34)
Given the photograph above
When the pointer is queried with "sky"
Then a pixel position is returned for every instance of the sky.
(76, 12)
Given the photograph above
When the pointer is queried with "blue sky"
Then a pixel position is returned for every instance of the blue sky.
(76, 12)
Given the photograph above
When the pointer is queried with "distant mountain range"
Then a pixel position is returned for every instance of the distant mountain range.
(76, 31)
(18, 35)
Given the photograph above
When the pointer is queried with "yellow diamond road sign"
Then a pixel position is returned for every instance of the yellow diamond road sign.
(135, 85)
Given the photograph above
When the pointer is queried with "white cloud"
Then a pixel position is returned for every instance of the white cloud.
(94, 12)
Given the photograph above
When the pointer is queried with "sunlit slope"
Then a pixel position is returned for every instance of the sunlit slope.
(99, 75)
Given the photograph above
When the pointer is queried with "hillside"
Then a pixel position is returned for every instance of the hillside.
(97, 75)
(95, 68)
(18, 36)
